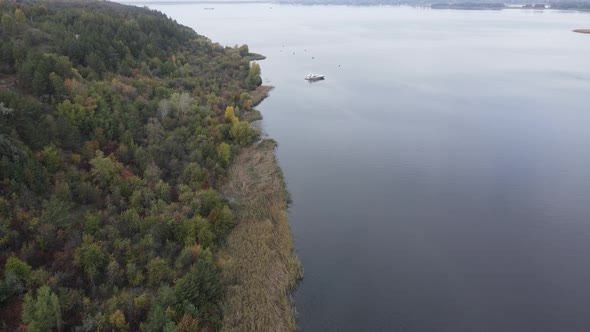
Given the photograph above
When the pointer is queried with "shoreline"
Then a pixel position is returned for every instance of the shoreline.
(255, 57)
(258, 262)
(582, 31)
(260, 93)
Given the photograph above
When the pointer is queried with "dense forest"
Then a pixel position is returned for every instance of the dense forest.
(117, 128)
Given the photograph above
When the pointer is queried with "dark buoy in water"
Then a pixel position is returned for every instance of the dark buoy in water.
(293, 52)
(313, 57)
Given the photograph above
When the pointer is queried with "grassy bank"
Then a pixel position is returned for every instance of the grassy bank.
(258, 260)
(260, 93)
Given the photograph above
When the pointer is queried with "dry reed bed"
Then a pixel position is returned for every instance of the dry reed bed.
(259, 94)
(258, 261)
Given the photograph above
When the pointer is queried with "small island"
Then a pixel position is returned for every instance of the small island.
(582, 30)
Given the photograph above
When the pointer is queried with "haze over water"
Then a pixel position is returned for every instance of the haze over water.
(440, 175)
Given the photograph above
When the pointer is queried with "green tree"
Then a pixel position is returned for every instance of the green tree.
(74, 113)
(158, 271)
(21, 269)
(200, 286)
(10, 285)
(96, 63)
(8, 24)
(224, 152)
(160, 315)
(104, 168)
(203, 231)
(242, 133)
(90, 257)
(114, 272)
(58, 88)
(134, 275)
(222, 220)
(253, 79)
(42, 312)
(41, 82)
(244, 51)
(51, 158)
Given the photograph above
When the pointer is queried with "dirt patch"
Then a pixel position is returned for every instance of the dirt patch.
(257, 261)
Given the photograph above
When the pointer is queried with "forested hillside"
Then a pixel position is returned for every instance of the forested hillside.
(117, 128)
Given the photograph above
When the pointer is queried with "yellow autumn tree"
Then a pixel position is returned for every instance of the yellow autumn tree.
(117, 320)
(230, 114)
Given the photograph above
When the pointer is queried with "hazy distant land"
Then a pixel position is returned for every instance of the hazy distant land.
(582, 30)
(434, 4)
(477, 4)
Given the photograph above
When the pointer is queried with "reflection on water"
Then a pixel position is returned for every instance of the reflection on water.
(440, 174)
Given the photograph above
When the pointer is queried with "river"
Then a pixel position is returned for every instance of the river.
(440, 175)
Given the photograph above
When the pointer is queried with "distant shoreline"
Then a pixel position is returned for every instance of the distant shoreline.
(582, 31)
(195, 2)
(368, 3)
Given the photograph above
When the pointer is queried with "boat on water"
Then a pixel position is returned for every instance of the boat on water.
(314, 77)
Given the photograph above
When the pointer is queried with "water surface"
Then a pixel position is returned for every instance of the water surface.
(440, 174)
